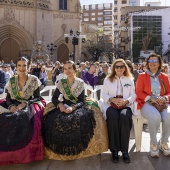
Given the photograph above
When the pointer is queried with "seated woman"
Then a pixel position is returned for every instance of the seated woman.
(73, 128)
(153, 97)
(118, 95)
(20, 119)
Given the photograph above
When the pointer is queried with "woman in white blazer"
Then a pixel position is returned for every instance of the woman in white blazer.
(119, 83)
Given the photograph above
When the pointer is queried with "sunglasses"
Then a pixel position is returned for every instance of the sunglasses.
(152, 61)
(121, 66)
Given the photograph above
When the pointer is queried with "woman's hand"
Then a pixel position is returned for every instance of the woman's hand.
(116, 101)
(123, 102)
(21, 106)
(13, 109)
(159, 100)
(119, 101)
(62, 107)
(69, 109)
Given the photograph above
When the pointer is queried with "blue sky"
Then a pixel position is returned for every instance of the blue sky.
(88, 2)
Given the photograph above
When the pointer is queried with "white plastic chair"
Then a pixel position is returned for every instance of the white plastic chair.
(50, 89)
(97, 88)
(89, 88)
(100, 101)
(138, 122)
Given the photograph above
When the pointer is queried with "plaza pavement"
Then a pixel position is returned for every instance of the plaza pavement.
(139, 160)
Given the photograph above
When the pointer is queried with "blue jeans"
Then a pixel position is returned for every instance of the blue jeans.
(43, 81)
(1, 90)
(154, 118)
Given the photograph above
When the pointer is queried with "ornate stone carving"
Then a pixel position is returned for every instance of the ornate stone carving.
(44, 4)
(9, 14)
(64, 27)
(63, 16)
(29, 3)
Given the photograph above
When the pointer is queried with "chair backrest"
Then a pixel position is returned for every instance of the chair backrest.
(98, 88)
(50, 89)
(89, 90)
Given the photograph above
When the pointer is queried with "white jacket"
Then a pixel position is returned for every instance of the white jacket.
(110, 90)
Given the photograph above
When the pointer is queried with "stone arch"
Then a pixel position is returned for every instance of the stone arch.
(62, 53)
(16, 37)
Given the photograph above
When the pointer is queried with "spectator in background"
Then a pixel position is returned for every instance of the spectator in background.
(5, 69)
(56, 71)
(10, 70)
(36, 70)
(133, 71)
(13, 68)
(3, 81)
(81, 69)
(60, 76)
(143, 67)
(91, 77)
(135, 66)
(87, 64)
(43, 76)
(165, 70)
(11, 62)
(103, 73)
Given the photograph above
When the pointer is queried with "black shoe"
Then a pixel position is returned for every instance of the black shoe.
(115, 156)
(126, 158)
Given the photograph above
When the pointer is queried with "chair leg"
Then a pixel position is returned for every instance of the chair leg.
(160, 131)
(138, 127)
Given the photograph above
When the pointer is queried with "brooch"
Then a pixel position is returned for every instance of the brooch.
(126, 85)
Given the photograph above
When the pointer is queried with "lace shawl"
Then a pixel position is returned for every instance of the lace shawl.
(31, 85)
(76, 88)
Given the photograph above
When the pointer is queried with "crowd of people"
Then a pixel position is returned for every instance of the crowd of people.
(73, 126)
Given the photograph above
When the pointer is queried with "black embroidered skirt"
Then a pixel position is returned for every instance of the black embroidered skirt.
(16, 129)
(68, 134)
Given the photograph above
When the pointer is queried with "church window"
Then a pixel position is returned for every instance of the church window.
(62, 4)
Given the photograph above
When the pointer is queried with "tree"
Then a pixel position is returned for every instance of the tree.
(95, 50)
(146, 40)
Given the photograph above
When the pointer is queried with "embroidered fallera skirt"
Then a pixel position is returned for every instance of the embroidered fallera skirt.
(72, 136)
(20, 135)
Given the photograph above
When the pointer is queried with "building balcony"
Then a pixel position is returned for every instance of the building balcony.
(107, 8)
(123, 34)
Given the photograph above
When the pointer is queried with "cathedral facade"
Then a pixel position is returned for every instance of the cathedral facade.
(23, 23)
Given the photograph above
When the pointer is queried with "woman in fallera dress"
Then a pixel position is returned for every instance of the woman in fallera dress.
(20, 118)
(72, 126)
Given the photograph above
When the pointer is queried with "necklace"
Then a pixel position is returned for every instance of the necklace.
(21, 85)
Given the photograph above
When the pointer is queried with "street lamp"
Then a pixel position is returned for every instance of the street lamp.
(75, 38)
(51, 48)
